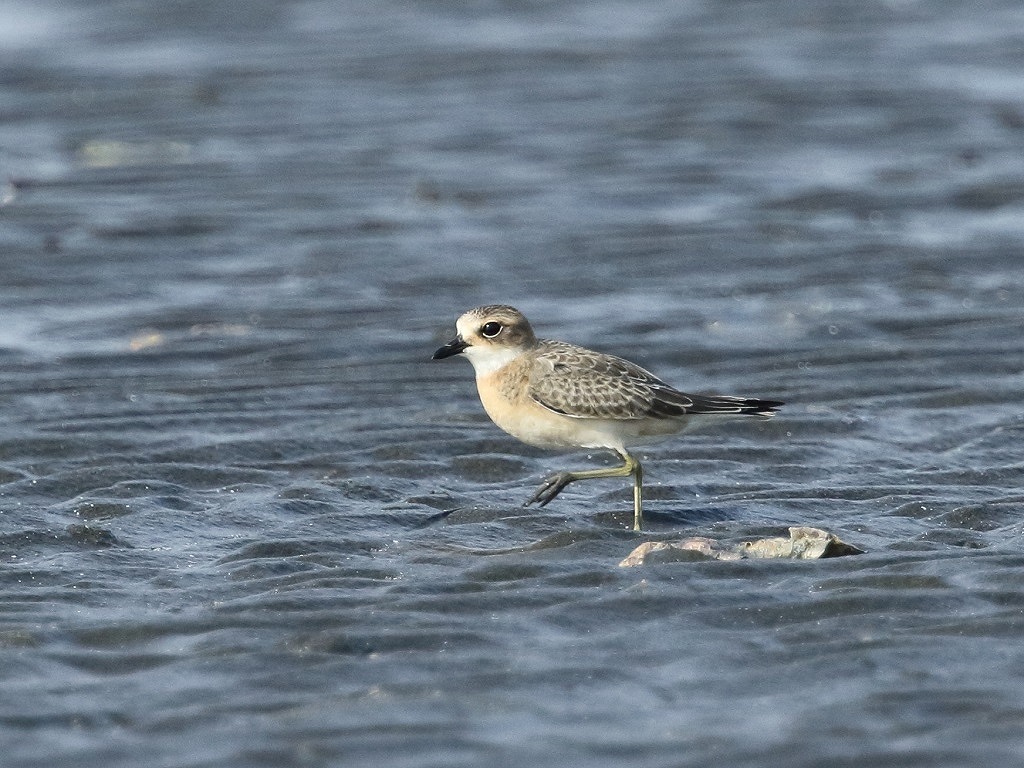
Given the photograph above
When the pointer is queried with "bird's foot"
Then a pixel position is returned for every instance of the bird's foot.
(550, 488)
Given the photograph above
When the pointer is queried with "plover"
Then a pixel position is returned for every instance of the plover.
(551, 394)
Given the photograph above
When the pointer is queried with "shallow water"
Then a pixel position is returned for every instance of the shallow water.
(244, 519)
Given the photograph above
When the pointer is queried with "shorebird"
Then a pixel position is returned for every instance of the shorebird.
(552, 394)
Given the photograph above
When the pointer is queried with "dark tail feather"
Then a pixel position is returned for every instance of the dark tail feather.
(670, 403)
(723, 405)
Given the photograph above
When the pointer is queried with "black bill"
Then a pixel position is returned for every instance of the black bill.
(453, 347)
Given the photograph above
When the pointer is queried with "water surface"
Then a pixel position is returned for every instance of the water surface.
(244, 519)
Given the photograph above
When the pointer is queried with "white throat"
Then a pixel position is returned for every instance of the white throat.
(487, 360)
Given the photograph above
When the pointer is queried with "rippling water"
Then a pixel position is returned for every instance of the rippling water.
(244, 519)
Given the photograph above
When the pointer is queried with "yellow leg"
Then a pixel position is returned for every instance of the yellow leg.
(638, 493)
(554, 485)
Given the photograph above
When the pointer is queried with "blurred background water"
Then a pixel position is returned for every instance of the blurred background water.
(245, 521)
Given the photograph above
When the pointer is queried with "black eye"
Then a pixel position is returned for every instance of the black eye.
(490, 330)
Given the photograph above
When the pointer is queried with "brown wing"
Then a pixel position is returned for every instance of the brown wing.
(588, 385)
(578, 382)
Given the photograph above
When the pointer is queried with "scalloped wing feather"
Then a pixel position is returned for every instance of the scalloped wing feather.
(583, 384)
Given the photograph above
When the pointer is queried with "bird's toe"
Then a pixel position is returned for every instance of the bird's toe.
(549, 489)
